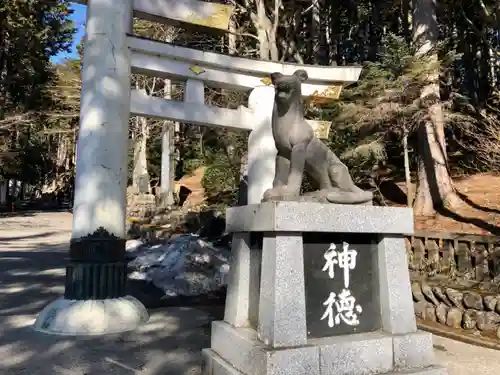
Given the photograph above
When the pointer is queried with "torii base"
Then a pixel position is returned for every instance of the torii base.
(276, 320)
(66, 317)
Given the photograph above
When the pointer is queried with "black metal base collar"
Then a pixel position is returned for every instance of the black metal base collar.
(94, 281)
(97, 268)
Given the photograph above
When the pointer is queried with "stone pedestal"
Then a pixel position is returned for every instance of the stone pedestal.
(319, 289)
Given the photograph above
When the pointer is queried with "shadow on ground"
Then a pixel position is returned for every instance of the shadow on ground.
(31, 277)
(479, 223)
(29, 212)
(17, 214)
(475, 205)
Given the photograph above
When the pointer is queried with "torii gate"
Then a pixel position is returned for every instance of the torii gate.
(95, 301)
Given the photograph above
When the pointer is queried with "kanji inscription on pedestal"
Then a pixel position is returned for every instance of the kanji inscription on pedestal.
(341, 284)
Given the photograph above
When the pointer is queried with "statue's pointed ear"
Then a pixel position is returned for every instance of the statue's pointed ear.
(301, 74)
(275, 77)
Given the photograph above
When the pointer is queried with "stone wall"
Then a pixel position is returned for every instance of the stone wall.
(470, 257)
(458, 309)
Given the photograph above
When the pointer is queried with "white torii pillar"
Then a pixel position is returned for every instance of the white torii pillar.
(261, 149)
(94, 301)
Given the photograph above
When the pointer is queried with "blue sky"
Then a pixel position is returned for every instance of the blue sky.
(78, 17)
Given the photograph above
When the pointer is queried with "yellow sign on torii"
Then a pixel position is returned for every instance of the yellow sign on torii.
(183, 12)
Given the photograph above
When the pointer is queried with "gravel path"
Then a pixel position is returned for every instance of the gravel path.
(464, 359)
(33, 250)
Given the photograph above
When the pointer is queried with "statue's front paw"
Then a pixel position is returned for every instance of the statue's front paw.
(289, 191)
(281, 193)
(269, 193)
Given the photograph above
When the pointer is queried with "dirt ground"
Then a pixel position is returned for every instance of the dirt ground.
(193, 183)
(479, 212)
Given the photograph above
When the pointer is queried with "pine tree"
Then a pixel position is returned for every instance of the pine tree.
(31, 32)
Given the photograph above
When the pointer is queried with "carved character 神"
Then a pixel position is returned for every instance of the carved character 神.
(300, 150)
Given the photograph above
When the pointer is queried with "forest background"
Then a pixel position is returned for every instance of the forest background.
(424, 115)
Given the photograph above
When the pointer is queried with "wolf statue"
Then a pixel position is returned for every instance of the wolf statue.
(300, 150)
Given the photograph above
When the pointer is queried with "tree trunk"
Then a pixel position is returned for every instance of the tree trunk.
(262, 25)
(266, 30)
(4, 53)
(167, 164)
(434, 185)
(315, 30)
(62, 151)
(231, 45)
(268, 49)
(73, 158)
(4, 187)
(493, 65)
(409, 189)
(406, 20)
(167, 154)
(243, 185)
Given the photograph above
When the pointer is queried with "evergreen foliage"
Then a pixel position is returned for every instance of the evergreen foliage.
(31, 32)
(39, 103)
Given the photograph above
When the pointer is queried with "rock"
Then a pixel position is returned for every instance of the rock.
(441, 296)
(473, 300)
(430, 312)
(488, 321)
(213, 225)
(427, 291)
(132, 248)
(455, 297)
(133, 245)
(173, 236)
(135, 275)
(470, 319)
(441, 312)
(416, 291)
(454, 317)
(133, 230)
(497, 307)
(156, 221)
(132, 190)
(490, 302)
(421, 309)
(162, 218)
(498, 332)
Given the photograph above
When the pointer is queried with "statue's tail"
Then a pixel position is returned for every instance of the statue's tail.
(348, 197)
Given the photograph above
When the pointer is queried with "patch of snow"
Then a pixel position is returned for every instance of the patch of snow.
(184, 266)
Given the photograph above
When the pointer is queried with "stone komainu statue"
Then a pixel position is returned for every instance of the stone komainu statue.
(300, 150)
